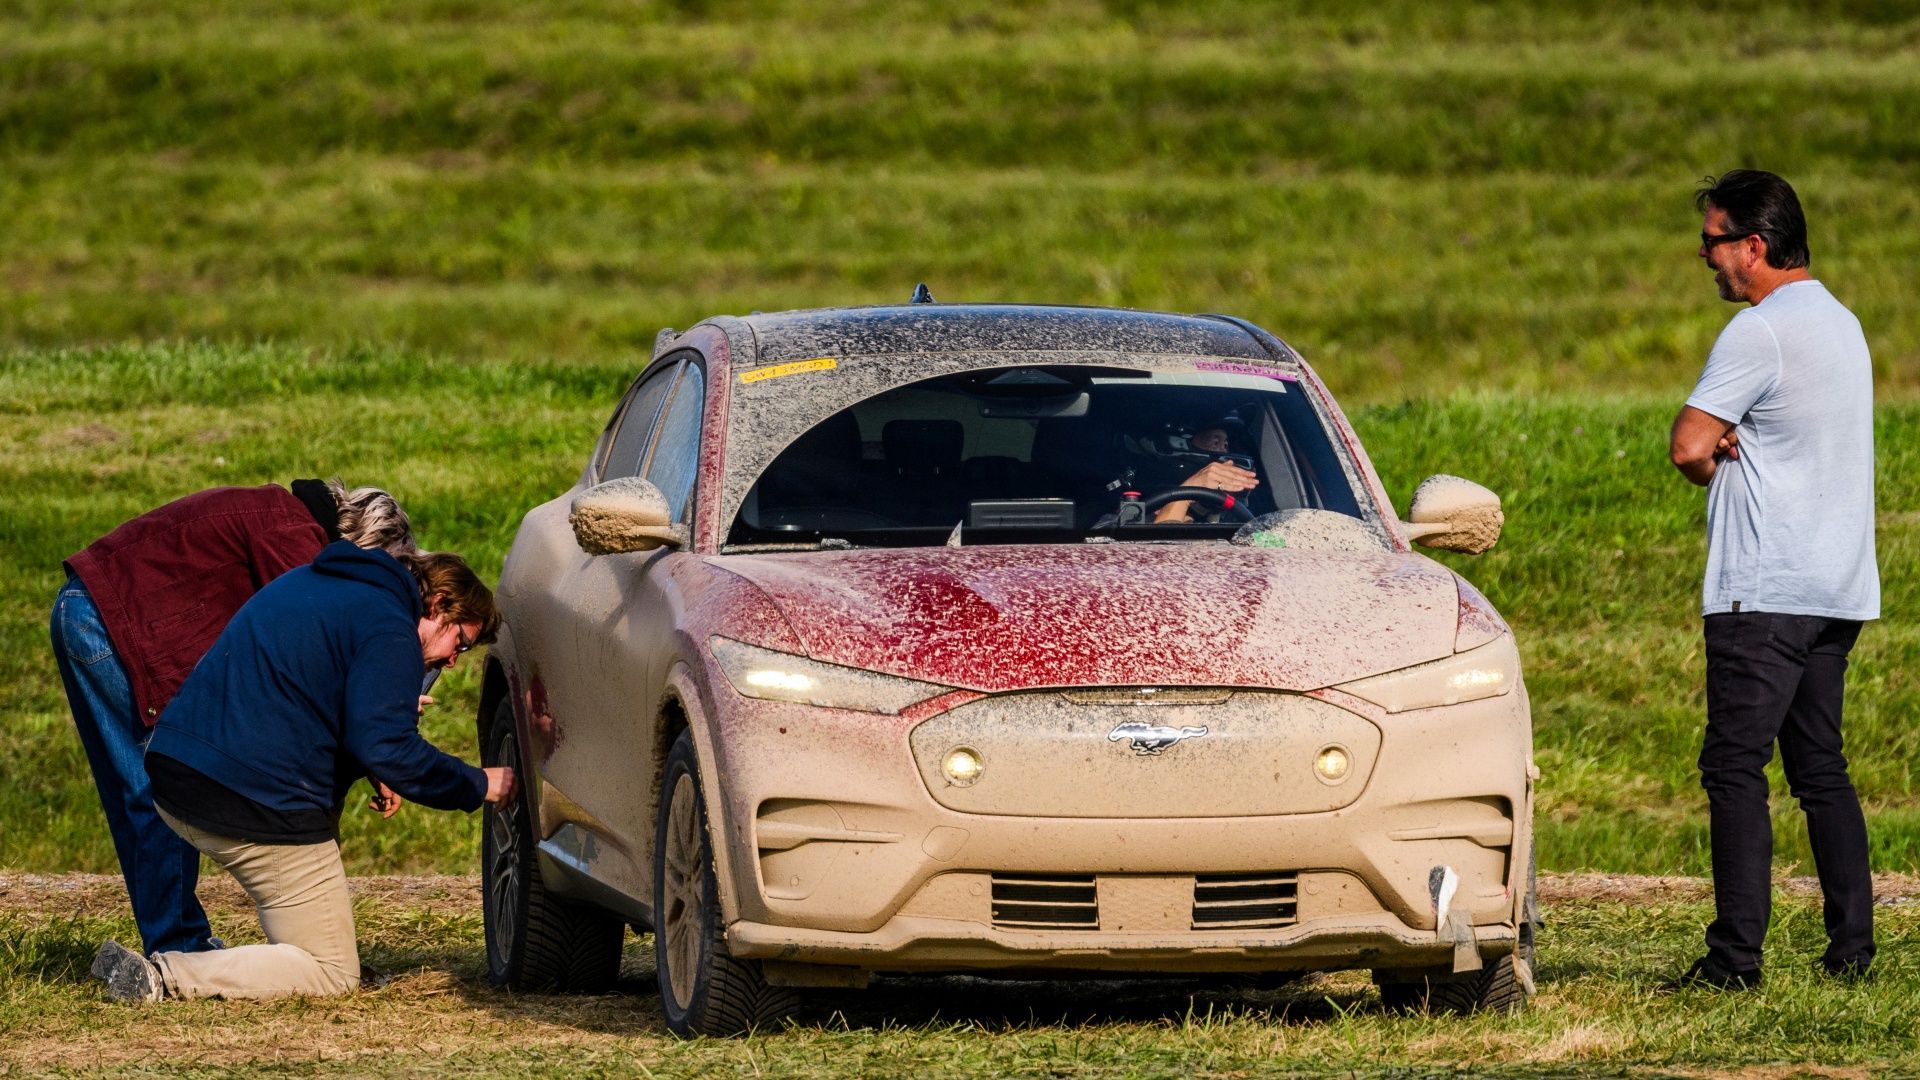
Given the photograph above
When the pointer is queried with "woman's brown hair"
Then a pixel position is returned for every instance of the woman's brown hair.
(463, 597)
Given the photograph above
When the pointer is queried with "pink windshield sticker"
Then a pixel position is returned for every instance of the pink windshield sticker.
(1231, 368)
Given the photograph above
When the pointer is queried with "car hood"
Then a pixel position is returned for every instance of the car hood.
(1014, 617)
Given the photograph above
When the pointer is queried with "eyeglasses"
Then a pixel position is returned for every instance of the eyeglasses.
(461, 643)
(1709, 241)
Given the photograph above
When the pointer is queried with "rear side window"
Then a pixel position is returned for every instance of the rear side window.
(629, 442)
(676, 449)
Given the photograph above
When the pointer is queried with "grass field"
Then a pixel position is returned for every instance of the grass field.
(425, 244)
(1598, 569)
(1423, 196)
(1607, 943)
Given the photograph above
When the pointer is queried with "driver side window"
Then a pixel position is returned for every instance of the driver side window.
(676, 446)
(629, 442)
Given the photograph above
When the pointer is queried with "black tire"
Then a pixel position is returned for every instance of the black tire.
(535, 940)
(704, 990)
(1494, 988)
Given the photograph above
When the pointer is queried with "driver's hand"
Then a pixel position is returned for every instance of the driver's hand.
(1729, 445)
(1218, 475)
(1221, 476)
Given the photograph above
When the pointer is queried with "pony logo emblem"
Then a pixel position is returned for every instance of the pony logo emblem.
(1149, 740)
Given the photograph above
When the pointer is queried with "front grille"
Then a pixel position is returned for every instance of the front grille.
(1262, 901)
(1045, 902)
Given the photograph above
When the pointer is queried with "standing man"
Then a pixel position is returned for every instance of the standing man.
(1779, 429)
(140, 606)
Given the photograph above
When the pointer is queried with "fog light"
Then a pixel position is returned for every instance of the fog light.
(963, 766)
(1332, 764)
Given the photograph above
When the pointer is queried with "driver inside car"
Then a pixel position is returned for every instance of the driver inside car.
(1221, 474)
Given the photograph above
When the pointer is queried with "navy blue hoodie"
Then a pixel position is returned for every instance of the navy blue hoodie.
(314, 684)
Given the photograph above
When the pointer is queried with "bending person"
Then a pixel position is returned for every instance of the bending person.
(314, 684)
(140, 606)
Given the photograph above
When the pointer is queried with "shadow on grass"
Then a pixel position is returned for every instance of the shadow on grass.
(56, 951)
(987, 1004)
(1089, 1001)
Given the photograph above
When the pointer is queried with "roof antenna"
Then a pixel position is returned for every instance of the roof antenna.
(921, 295)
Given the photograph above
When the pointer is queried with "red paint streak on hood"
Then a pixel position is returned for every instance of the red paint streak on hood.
(1007, 618)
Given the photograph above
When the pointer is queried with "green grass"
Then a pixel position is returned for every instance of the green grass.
(1435, 196)
(1599, 568)
(1597, 1013)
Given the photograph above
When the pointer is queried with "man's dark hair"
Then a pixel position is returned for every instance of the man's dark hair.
(1763, 205)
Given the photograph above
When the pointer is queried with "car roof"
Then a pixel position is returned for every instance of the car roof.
(924, 328)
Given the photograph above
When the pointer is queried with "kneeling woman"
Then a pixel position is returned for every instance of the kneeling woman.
(313, 685)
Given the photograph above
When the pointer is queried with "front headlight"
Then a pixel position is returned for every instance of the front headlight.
(777, 676)
(1488, 671)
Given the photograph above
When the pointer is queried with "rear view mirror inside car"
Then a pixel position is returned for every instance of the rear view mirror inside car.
(1035, 408)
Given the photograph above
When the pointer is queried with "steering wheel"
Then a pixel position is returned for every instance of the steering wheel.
(1219, 502)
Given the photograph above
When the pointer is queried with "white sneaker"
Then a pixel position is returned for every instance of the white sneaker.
(130, 977)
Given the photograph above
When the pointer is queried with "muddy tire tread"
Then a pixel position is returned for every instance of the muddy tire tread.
(564, 946)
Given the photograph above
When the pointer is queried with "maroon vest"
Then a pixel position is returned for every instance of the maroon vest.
(167, 582)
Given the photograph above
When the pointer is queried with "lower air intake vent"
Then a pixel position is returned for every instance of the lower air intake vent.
(1045, 902)
(1245, 901)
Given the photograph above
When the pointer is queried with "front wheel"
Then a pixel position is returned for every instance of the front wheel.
(1494, 988)
(704, 990)
(535, 940)
(1500, 986)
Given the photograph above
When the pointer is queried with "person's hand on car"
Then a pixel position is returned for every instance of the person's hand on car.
(500, 784)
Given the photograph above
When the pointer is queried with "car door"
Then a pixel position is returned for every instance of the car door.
(610, 645)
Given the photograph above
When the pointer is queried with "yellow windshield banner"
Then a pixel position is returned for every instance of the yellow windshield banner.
(797, 367)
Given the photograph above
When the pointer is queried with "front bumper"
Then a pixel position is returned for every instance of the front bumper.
(838, 853)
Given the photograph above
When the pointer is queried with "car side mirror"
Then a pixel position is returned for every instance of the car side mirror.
(1454, 515)
(622, 515)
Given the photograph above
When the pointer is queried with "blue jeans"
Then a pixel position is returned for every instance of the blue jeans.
(160, 868)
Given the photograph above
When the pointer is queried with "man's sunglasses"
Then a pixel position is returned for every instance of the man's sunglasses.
(461, 642)
(1708, 240)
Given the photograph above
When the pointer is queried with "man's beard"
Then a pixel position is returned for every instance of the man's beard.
(1731, 288)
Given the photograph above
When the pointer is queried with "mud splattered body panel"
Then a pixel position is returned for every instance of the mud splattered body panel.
(1136, 753)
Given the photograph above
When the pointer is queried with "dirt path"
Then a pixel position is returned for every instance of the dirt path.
(67, 895)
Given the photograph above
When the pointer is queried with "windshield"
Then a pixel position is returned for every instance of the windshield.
(1052, 453)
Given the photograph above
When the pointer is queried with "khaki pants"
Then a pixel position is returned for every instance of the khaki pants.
(300, 893)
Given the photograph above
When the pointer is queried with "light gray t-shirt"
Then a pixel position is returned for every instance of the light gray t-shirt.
(1790, 524)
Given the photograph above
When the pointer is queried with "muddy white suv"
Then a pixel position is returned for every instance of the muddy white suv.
(975, 638)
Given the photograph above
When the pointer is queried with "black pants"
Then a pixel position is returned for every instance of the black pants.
(1779, 677)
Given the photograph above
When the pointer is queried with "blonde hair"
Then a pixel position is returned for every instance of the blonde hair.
(371, 518)
(464, 598)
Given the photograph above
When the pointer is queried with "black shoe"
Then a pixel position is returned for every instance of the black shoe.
(1707, 974)
(1852, 972)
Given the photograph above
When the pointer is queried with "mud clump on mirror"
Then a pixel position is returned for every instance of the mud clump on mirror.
(611, 517)
(1471, 513)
